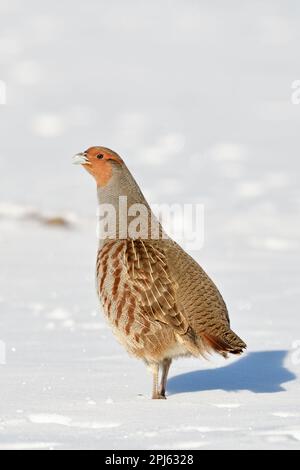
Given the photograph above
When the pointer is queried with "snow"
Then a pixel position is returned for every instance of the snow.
(214, 128)
(72, 386)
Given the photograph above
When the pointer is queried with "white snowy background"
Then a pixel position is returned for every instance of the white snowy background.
(196, 95)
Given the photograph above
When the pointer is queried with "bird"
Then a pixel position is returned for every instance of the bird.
(159, 302)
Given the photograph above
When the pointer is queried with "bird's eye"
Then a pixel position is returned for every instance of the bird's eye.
(100, 156)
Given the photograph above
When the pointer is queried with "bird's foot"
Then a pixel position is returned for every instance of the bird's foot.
(159, 396)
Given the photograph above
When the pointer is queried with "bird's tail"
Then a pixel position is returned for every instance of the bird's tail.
(204, 343)
(229, 342)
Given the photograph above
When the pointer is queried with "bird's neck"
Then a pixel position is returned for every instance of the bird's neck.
(124, 212)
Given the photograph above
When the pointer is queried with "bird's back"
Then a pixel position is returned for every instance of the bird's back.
(201, 302)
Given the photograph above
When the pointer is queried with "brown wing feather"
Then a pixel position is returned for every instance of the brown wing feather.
(153, 286)
(203, 304)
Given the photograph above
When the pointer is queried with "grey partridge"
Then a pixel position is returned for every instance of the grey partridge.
(158, 300)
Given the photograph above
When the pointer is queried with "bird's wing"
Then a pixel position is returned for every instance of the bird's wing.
(204, 306)
(153, 285)
(201, 298)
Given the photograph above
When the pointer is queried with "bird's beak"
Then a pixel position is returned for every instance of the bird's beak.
(81, 159)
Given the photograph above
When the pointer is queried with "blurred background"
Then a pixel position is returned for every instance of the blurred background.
(171, 85)
(197, 98)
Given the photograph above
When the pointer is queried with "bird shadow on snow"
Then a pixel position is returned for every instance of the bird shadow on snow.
(258, 372)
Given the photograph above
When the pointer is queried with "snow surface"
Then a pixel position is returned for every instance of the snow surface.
(172, 86)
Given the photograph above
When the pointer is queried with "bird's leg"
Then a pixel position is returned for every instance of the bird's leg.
(165, 370)
(155, 371)
(159, 393)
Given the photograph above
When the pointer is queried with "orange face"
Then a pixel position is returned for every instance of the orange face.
(99, 162)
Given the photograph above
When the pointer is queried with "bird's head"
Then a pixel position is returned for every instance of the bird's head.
(100, 162)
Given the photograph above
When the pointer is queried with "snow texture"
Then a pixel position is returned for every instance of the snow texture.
(197, 97)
